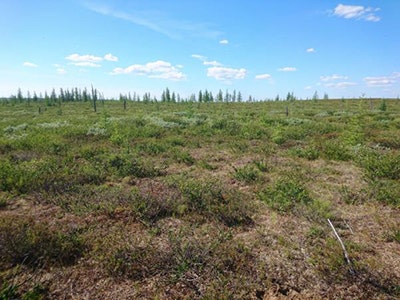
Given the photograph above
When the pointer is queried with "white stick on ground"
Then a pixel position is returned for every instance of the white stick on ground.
(343, 247)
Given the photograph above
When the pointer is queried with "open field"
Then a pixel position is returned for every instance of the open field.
(200, 200)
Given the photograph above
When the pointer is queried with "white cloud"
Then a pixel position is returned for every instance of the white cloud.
(226, 74)
(29, 64)
(156, 69)
(83, 58)
(218, 71)
(224, 42)
(207, 62)
(263, 76)
(333, 77)
(158, 22)
(372, 18)
(336, 81)
(309, 87)
(287, 69)
(86, 64)
(199, 57)
(381, 81)
(88, 60)
(356, 12)
(61, 71)
(310, 50)
(110, 57)
(212, 63)
(340, 85)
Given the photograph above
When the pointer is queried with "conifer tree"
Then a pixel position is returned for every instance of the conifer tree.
(167, 95)
(28, 97)
(35, 97)
(211, 97)
(227, 96)
(239, 97)
(53, 96)
(94, 98)
(220, 96)
(163, 97)
(20, 97)
(315, 96)
(200, 98)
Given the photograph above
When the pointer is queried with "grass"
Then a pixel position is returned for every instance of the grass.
(199, 200)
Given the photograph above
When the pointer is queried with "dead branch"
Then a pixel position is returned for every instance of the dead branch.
(343, 247)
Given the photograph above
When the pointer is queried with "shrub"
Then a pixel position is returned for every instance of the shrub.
(248, 173)
(310, 153)
(151, 208)
(285, 195)
(136, 261)
(394, 235)
(334, 150)
(353, 196)
(262, 165)
(22, 241)
(131, 166)
(386, 191)
(183, 157)
(383, 105)
(187, 252)
(151, 148)
(377, 164)
(209, 199)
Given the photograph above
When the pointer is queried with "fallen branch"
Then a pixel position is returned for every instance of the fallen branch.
(343, 247)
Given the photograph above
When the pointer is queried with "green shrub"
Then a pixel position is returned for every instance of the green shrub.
(386, 191)
(383, 105)
(229, 127)
(151, 148)
(285, 195)
(22, 241)
(131, 166)
(327, 257)
(20, 177)
(262, 165)
(385, 165)
(8, 291)
(248, 173)
(210, 199)
(183, 157)
(334, 150)
(310, 152)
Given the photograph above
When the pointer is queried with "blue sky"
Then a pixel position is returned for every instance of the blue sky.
(258, 47)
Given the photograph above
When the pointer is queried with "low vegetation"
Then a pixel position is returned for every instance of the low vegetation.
(199, 200)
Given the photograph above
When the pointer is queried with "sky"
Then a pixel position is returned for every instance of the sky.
(262, 48)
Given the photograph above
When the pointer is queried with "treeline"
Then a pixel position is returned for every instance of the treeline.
(92, 95)
(52, 98)
(201, 96)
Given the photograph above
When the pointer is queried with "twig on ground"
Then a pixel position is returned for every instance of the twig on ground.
(343, 247)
